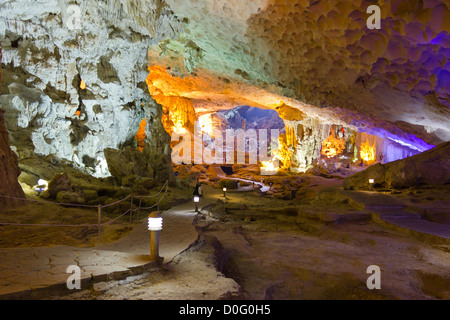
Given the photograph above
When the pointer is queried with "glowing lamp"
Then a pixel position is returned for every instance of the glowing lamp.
(41, 186)
(196, 201)
(155, 221)
(42, 182)
(224, 189)
(154, 225)
(371, 183)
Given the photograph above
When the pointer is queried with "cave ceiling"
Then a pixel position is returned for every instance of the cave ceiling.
(316, 56)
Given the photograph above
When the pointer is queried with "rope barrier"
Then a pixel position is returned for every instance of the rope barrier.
(111, 221)
(98, 225)
(50, 202)
(117, 202)
(153, 196)
(49, 225)
(85, 205)
(157, 204)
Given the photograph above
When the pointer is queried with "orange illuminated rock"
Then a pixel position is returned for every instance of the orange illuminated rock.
(83, 85)
(332, 146)
(140, 135)
(367, 152)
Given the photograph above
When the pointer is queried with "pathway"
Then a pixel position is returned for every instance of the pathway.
(37, 272)
(392, 212)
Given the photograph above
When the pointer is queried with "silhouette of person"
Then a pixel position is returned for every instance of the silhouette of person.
(198, 189)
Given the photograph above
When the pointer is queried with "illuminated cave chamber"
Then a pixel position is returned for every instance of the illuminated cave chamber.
(303, 143)
(81, 97)
(229, 123)
(345, 146)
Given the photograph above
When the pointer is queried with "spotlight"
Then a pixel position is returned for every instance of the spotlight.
(41, 186)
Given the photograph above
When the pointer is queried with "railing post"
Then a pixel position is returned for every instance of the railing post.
(131, 211)
(139, 209)
(99, 224)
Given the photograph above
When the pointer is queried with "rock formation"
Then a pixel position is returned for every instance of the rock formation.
(9, 171)
(74, 76)
(428, 168)
(80, 78)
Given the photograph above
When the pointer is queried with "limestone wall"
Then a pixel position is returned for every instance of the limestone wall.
(51, 47)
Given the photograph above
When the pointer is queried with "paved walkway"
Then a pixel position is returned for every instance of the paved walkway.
(264, 188)
(33, 273)
(391, 212)
(36, 272)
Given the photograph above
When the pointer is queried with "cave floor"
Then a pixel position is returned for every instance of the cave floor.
(269, 248)
(261, 250)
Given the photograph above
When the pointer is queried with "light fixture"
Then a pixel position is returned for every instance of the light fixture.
(225, 192)
(196, 201)
(371, 183)
(42, 185)
(155, 222)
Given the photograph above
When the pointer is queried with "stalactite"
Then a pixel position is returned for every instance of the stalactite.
(178, 112)
(140, 135)
(304, 141)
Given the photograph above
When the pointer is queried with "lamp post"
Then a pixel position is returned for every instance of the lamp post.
(224, 192)
(155, 226)
(371, 183)
(196, 201)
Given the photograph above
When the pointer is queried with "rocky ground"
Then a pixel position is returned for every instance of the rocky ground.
(49, 212)
(259, 247)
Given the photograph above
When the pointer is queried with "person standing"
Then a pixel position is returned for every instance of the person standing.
(198, 189)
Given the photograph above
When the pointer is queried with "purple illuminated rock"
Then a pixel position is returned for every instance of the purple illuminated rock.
(431, 167)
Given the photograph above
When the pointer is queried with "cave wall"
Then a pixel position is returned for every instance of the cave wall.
(9, 169)
(47, 54)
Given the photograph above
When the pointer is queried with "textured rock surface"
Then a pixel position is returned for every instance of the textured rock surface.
(9, 170)
(46, 57)
(316, 56)
(429, 168)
